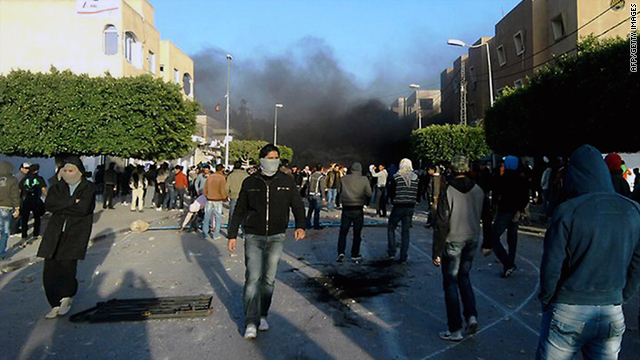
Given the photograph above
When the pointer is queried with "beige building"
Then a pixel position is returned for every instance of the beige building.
(89, 37)
(429, 104)
(525, 40)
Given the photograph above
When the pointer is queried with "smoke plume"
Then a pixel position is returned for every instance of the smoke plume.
(326, 117)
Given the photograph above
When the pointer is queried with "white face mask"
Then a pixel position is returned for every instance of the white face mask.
(269, 167)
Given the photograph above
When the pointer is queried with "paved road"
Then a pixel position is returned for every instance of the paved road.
(321, 310)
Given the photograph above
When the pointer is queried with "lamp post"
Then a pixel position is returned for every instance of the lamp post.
(418, 110)
(275, 125)
(226, 138)
(456, 42)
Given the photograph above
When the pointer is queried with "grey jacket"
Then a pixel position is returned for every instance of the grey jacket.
(9, 189)
(355, 188)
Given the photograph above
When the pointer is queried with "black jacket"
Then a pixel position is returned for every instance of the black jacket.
(78, 217)
(264, 204)
(511, 192)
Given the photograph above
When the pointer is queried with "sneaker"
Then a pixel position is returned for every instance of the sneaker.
(264, 325)
(158, 209)
(340, 258)
(53, 313)
(451, 336)
(472, 325)
(390, 257)
(356, 259)
(509, 271)
(65, 306)
(250, 332)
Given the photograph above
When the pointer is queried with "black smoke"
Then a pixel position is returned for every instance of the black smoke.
(326, 116)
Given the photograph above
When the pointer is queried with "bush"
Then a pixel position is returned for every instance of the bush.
(61, 113)
(585, 98)
(437, 144)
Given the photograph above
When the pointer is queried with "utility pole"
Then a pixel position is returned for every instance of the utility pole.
(463, 93)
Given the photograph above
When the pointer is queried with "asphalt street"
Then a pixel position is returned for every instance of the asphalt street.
(377, 309)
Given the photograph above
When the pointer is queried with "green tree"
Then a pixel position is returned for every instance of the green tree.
(437, 144)
(248, 151)
(59, 113)
(587, 98)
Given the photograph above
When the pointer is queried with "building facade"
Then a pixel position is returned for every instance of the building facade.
(114, 36)
(525, 40)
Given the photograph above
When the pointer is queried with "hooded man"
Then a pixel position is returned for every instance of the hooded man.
(355, 192)
(457, 230)
(71, 203)
(512, 196)
(9, 203)
(614, 164)
(266, 198)
(590, 265)
(403, 192)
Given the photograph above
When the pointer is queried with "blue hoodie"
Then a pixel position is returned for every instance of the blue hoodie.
(592, 247)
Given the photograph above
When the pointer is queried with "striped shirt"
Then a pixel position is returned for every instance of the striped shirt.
(405, 195)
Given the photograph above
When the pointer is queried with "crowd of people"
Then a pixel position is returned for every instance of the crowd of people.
(590, 265)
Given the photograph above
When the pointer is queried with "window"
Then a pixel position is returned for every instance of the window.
(161, 67)
(176, 76)
(132, 49)
(151, 59)
(426, 104)
(518, 41)
(502, 59)
(517, 84)
(110, 40)
(557, 27)
(473, 75)
(186, 84)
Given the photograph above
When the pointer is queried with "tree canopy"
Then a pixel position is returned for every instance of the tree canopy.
(59, 113)
(437, 144)
(248, 151)
(586, 98)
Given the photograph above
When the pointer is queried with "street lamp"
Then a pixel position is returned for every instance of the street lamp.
(456, 42)
(226, 138)
(418, 110)
(275, 125)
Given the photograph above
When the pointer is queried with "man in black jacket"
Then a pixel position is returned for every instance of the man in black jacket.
(263, 205)
(512, 195)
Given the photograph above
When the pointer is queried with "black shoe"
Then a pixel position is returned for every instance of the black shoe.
(318, 227)
(340, 258)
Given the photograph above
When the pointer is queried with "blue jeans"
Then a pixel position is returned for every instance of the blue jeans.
(504, 221)
(315, 204)
(213, 208)
(456, 265)
(261, 255)
(331, 198)
(170, 197)
(404, 214)
(5, 229)
(596, 330)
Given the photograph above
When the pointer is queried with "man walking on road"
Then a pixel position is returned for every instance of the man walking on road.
(403, 192)
(9, 203)
(512, 195)
(234, 185)
(264, 204)
(457, 230)
(215, 190)
(381, 189)
(355, 192)
(316, 196)
(590, 265)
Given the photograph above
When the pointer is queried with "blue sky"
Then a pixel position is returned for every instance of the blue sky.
(381, 45)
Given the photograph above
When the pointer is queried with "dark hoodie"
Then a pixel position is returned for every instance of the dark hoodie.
(9, 189)
(458, 213)
(592, 247)
(355, 189)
